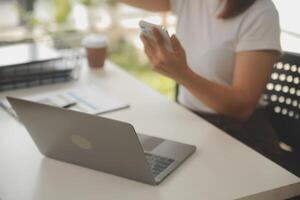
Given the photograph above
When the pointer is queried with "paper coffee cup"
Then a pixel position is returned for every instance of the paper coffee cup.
(96, 49)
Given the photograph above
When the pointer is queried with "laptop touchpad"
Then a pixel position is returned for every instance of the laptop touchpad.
(149, 143)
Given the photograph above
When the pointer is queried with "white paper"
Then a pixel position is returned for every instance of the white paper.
(88, 99)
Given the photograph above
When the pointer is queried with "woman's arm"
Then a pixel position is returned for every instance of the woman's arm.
(252, 70)
(151, 5)
(238, 100)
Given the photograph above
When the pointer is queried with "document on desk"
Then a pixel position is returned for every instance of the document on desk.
(89, 99)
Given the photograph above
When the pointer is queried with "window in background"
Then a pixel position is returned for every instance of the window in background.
(66, 21)
(8, 11)
(290, 24)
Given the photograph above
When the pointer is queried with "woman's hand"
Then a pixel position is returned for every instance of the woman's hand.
(171, 64)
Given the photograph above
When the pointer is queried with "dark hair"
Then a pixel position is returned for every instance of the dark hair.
(233, 8)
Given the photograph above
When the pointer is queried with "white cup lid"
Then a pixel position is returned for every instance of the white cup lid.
(94, 41)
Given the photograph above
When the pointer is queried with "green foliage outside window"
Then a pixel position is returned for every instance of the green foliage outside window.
(132, 60)
(62, 10)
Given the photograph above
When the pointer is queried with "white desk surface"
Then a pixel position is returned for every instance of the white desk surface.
(221, 168)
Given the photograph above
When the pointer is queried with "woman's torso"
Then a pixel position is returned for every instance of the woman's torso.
(211, 43)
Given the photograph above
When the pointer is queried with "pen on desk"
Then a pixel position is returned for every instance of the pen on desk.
(69, 105)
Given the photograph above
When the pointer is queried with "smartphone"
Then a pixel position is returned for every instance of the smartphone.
(147, 27)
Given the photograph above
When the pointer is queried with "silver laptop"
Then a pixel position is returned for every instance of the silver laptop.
(99, 143)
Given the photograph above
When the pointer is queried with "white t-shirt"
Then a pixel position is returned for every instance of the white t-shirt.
(211, 43)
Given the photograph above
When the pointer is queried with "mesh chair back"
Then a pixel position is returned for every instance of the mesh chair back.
(283, 98)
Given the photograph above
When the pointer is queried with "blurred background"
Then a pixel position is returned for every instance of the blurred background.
(63, 23)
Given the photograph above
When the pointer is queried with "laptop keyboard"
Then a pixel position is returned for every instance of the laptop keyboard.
(158, 163)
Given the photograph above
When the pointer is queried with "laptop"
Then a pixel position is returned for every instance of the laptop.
(100, 143)
(26, 53)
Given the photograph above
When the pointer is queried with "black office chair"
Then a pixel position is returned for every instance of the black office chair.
(283, 105)
(282, 96)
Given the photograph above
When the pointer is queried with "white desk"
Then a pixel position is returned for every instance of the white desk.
(221, 168)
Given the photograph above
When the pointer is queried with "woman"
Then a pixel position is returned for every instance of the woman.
(223, 60)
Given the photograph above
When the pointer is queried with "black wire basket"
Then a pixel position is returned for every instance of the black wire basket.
(42, 73)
